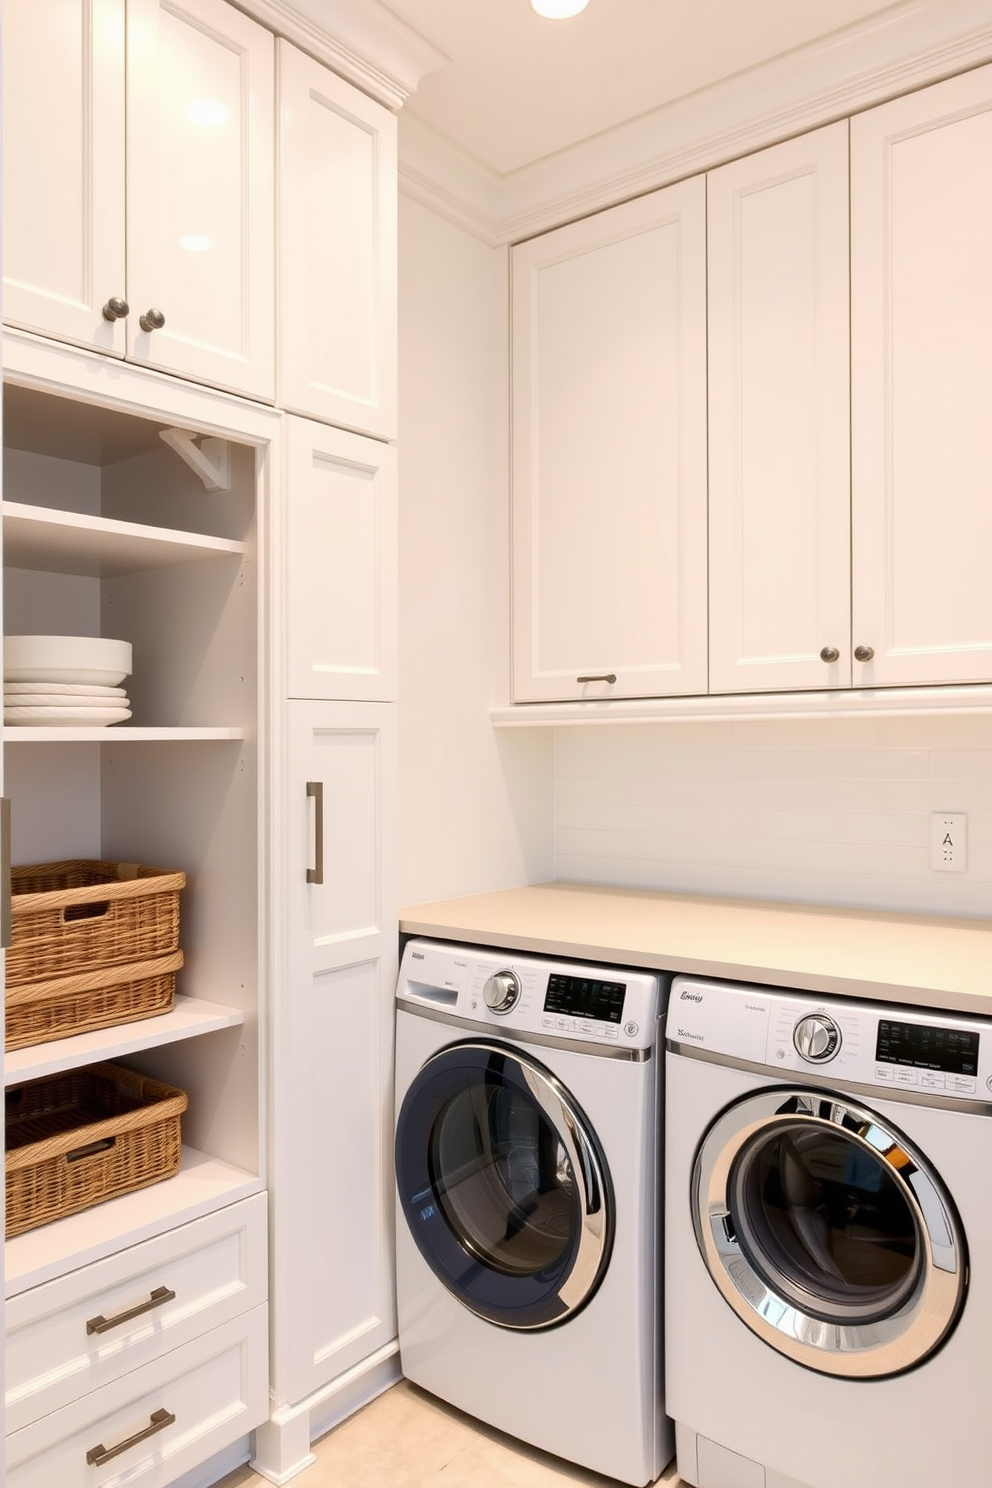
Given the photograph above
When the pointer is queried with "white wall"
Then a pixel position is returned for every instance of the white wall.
(475, 803)
(832, 812)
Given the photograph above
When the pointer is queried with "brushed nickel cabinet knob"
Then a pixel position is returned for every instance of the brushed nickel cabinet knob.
(116, 308)
(864, 653)
(829, 654)
(152, 320)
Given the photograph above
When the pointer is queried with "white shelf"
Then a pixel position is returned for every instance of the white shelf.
(36, 537)
(115, 734)
(202, 1185)
(881, 702)
(190, 1017)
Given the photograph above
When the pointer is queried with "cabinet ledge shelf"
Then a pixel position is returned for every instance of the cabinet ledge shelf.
(906, 702)
(116, 734)
(189, 1018)
(56, 541)
(202, 1185)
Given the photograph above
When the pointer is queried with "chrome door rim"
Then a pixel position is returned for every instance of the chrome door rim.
(593, 1234)
(853, 1349)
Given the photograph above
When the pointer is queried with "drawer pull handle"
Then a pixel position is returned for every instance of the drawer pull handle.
(610, 677)
(101, 1324)
(98, 1455)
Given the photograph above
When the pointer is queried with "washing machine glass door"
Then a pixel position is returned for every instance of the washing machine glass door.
(503, 1186)
(828, 1233)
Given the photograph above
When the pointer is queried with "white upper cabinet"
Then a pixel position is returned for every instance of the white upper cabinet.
(200, 193)
(63, 169)
(609, 453)
(921, 211)
(337, 264)
(779, 388)
(341, 566)
(187, 101)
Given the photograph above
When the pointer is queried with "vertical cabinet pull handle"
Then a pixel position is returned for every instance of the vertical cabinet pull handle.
(101, 1324)
(315, 788)
(5, 906)
(157, 1421)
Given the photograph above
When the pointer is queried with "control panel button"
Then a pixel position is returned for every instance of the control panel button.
(907, 1077)
(631, 1029)
(885, 1072)
(932, 1080)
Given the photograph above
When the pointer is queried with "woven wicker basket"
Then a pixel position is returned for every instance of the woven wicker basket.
(84, 914)
(82, 1136)
(38, 1012)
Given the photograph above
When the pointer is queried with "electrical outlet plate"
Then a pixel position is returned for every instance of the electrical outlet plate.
(948, 841)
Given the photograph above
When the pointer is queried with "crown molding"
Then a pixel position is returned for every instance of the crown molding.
(358, 39)
(904, 48)
(447, 180)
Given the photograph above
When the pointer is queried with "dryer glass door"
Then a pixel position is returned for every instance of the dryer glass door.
(503, 1186)
(828, 1233)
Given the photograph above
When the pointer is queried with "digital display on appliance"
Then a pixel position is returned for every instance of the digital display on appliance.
(584, 997)
(954, 1050)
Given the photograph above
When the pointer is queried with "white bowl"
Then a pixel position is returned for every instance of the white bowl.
(50, 658)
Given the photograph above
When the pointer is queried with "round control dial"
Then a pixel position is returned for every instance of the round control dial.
(816, 1037)
(501, 991)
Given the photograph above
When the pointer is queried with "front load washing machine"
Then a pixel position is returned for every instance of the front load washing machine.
(829, 1240)
(528, 1243)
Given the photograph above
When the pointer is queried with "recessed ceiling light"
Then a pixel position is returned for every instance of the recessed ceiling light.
(558, 10)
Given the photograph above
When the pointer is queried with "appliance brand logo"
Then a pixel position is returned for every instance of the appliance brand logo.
(690, 997)
(417, 956)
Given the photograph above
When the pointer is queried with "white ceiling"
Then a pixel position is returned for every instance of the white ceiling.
(518, 88)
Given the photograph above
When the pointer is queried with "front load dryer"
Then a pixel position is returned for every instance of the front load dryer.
(528, 1243)
(829, 1240)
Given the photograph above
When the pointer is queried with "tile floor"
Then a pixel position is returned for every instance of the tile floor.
(406, 1439)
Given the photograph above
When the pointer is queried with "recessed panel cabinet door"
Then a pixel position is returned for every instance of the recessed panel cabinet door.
(333, 1302)
(63, 169)
(921, 270)
(200, 193)
(779, 391)
(340, 564)
(609, 453)
(337, 249)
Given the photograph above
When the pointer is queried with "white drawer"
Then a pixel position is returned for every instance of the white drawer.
(75, 1334)
(215, 1388)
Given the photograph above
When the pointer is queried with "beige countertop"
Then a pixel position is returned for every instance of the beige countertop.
(923, 960)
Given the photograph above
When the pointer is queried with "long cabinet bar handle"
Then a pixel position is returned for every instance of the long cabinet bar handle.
(101, 1324)
(98, 1455)
(5, 909)
(315, 788)
(603, 677)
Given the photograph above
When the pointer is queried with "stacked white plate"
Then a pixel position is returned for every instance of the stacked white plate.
(73, 681)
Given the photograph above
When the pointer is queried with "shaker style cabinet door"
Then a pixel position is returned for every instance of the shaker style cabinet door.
(779, 390)
(341, 566)
(331, 1100)
(921, 220)
(609, 453)
(63, 169)
(336, 249)
(200, 193)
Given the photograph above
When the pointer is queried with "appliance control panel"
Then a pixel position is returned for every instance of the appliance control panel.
(866, 1043)
(609, 1006)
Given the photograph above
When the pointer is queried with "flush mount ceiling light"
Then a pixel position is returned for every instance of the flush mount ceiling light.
(558, 10)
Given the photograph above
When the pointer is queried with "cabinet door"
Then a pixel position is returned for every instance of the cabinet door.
(200, 192)
(609, 453)
(63, 169)
(921, 220)
(337, 249)
(331, 1104)
(779, 390)
(340, 564)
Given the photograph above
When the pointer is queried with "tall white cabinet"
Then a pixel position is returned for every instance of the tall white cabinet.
(250, 558)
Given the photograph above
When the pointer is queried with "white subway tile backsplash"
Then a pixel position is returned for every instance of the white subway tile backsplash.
(829, 811)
